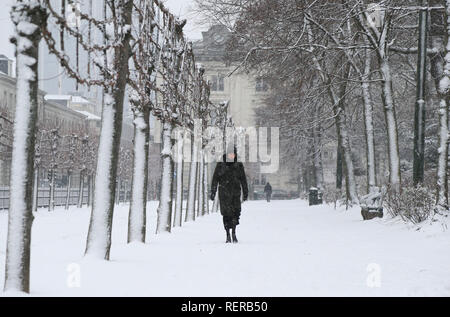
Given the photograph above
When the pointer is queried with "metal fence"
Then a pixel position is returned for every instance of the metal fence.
(43, 198)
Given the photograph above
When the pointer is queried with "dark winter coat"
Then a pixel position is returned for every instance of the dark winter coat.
(268, 189)
(230, 177)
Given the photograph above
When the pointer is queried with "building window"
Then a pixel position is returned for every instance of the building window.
(261, 85)
(217, 83)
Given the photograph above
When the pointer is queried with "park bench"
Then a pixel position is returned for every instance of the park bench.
(372, 205)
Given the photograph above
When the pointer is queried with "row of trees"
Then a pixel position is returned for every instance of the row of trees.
(70, 153)
(354, 74)
(136, 47)
(62, 152)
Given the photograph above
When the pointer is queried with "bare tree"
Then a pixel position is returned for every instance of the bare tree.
(444, 96)
(379, 40)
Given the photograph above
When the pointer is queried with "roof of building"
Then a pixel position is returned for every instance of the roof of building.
(57, 97)
(78, 99)
(5, 57)
(55, 104)
(90, 116)
(71, 98)
(212, 46)
(6, 77)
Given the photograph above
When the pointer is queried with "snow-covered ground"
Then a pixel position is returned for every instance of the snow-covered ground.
(285, 248)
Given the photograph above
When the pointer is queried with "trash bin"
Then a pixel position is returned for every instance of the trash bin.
(313, 196)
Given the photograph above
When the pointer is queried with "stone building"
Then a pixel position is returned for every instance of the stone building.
(6, 65)
(245, 92)
(50, 113)
(81, 105)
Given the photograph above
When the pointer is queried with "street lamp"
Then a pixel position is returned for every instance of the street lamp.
(419, 115)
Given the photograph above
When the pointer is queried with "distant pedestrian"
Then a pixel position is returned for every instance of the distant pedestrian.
(268, 191)
(230, 176)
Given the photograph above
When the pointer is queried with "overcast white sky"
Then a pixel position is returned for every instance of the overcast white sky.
(6, 28)
(182, 8)
(177, 7)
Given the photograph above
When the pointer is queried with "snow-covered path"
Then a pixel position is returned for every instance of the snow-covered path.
(285, 248)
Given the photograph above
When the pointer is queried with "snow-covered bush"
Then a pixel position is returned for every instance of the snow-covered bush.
(330, 194)
(414, 204)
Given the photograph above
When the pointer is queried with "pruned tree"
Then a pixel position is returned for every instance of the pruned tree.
(195, 137)
(83, 153)
(28, 16)
(70, 156)
(52, 152)
(169, 61)
(141, 83)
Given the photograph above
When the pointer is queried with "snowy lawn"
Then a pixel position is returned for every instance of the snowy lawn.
(285, 248)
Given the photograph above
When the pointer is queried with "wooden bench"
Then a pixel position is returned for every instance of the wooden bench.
(372, 205)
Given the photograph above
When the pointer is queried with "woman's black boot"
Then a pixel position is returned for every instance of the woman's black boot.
(235, 240)
(228, 236)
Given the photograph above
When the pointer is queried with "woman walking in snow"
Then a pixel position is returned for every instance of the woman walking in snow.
(230, 176)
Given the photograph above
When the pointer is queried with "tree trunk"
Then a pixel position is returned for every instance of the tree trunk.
(178, 215)
(442, 179)
(205, 188)
(164, 222)
(444, 95)
(27, 18)
(391, 126)
(51, 200)
(344, 139)
(89, 200)
(99, 235)
(300, 179)
(118, 187)
(341, 125)
(339, 165)
(178, 211)
(368, 126)
(190, 210)
(81, 190)
(69, 183)
(139, 181)
(317, 150)
(306, 178)
(125, 193)
(36, 189)
(200, 205)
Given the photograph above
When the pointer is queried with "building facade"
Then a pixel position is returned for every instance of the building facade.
(51, 114)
